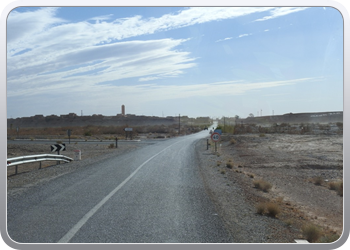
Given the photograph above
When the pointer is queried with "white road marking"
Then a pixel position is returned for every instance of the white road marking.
(68, 236)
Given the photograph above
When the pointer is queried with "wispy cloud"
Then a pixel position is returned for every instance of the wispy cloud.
(47, 53)
(225, 39)
(243, 35)
(38, 28)
(112, 62)
(39, 43)
(149, 78)
(282, 11)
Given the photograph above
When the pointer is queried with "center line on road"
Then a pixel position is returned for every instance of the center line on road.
(70, 234)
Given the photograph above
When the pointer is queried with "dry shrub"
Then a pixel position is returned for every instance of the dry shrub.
(311, 232)
(233, 141)
(272, 209)
(260, 208)
(289, 222)
(229, 165)
(337, 186)
(250, 175)
(333, 185)
(318, 180)
(262, 185)
(340, 189)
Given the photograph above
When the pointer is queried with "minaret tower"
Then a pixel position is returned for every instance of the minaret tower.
(123, 110)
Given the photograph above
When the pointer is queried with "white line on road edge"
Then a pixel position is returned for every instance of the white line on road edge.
(66, 238)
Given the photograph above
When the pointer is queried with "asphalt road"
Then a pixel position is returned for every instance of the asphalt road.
(152, 195)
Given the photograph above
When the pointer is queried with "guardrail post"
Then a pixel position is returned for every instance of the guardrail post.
(16, 169)
(39, 164)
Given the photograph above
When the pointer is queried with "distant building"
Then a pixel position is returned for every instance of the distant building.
(123, 110)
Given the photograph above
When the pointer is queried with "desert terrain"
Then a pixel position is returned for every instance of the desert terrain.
(305, 174)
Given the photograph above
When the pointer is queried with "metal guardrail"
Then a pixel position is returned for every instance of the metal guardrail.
(36, 158)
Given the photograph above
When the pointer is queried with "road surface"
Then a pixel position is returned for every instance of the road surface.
(152, 195)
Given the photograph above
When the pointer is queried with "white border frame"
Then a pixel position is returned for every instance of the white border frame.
(3, 120)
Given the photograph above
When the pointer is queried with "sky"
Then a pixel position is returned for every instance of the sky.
(166, 61)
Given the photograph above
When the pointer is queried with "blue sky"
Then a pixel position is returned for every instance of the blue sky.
(166, 61)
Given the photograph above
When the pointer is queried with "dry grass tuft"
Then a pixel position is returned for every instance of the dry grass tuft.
(318, 181)
(260, 208)
(311, 232)
(233, 141)
(272, 209)
(337, 186)
(229, 165)
(250, 175)
(262, 185)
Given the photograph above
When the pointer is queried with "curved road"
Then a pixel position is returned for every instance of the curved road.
(154, 194)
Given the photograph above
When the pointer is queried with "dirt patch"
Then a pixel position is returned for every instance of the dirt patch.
(291, 164)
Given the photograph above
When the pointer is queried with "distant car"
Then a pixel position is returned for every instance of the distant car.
(211, 131)
(205, 128)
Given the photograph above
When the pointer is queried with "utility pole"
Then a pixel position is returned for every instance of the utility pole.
(179, 124)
